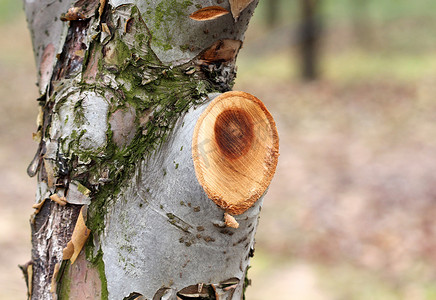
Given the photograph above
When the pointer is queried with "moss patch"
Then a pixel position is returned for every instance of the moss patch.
(64, 285)
(164, 15)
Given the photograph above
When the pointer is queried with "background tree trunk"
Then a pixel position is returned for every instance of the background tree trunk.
(361, 22)
(310, 30)
(150, 173)
(272, 13)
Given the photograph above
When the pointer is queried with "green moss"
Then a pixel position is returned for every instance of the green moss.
(161, 42)
(169, 10)
(63, 280)
(81, 188)
(117, 53)
(247, 282)
(184, 47)
(99, 264)
(79, 113)
(141, 40)
(164, 15)
(123, 52)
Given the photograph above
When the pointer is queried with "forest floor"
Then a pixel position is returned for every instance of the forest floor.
(350, 212)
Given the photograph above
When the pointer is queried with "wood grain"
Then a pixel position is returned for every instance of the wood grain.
(235, 150)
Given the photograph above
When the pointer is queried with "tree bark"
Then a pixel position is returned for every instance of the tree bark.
(150, 171)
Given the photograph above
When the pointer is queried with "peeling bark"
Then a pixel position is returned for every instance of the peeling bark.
(208, 13)
(123, 85)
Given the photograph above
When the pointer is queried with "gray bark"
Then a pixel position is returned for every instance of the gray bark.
(165, 213)
(122, 85)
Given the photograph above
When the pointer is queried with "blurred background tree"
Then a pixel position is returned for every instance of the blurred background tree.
(272, 13)
(350, 213)
(309, 38)
(361, 22)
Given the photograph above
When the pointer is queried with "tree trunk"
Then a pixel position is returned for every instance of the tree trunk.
(150, 171)
(272, 13)
(361, 23)
(310, 30)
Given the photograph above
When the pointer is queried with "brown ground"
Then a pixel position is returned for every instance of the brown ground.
(350, 212)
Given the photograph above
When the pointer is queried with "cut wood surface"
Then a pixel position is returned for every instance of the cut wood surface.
(235, 150)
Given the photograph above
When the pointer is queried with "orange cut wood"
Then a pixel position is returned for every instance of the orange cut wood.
(235, 150)
(209, 13)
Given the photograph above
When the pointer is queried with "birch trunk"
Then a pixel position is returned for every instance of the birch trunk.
(150, 171)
